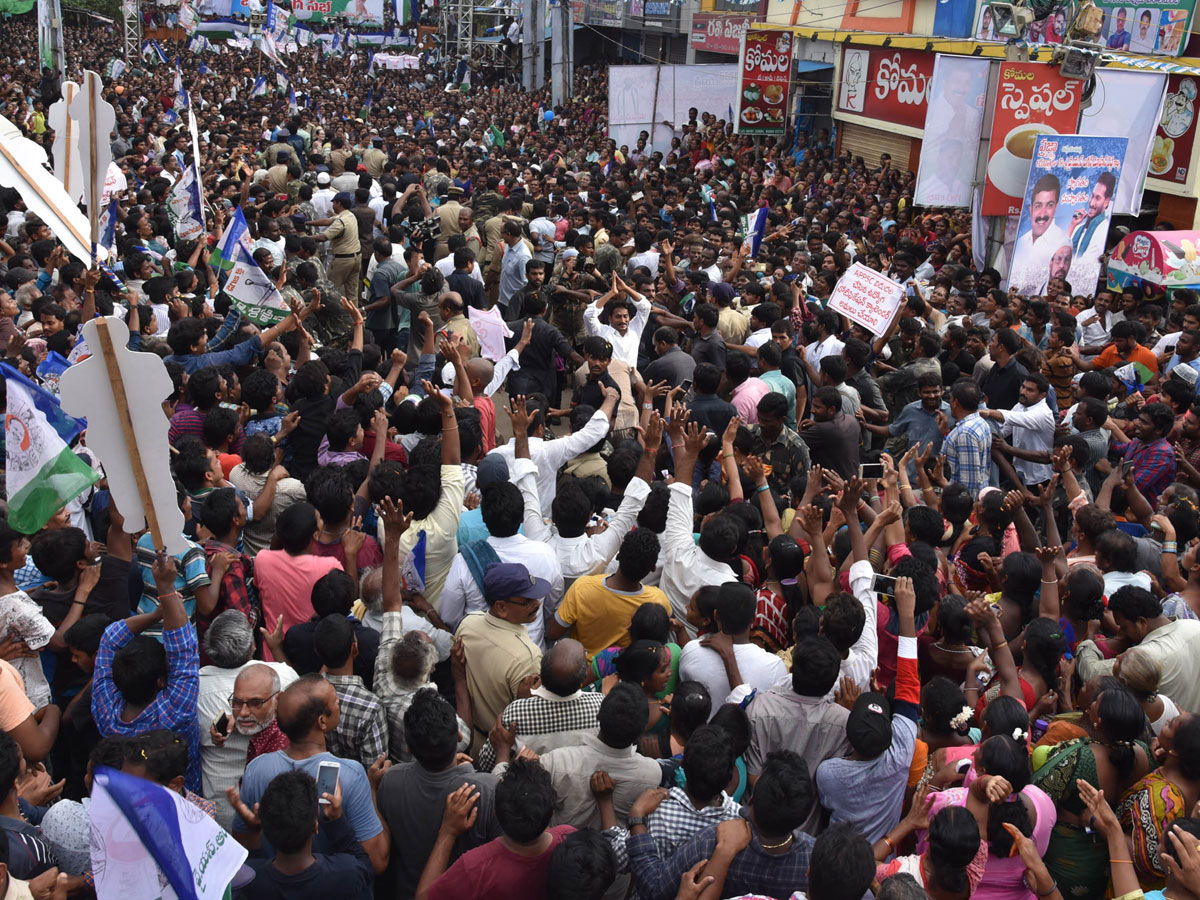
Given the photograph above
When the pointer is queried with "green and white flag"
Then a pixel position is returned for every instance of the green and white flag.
(41, 471)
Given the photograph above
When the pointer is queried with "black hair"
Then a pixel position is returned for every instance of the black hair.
(707, 763)
(296, 526)
(502, 508)
(816, 665)
(1134, 603)
(956, 626)
(1122, 722)
(333, 594)
(638, 554)
(163, 753)
(582, 867)
(941, 701)
(1085, 593)
(953, 844)
(524, 801)
(10, 764)
(572, 510)
(637, 662)
(623, 716)
(85, 634)
(690, 708)
(1022, 579)
(1187, 746)
(57, 552)
(219, 511)
(333, 640)
(650, 622)
(735, 607)
(288, 809)
(1045, 645)
(842, 865)
(431, 729)
(783, 794)
(1001, 755)
(137, 668)
(843, 620)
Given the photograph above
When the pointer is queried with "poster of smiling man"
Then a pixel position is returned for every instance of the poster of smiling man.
(1066, 213)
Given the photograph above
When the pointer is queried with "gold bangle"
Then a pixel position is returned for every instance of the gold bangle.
(887, 840)
(1001, 644)
(1116, 861)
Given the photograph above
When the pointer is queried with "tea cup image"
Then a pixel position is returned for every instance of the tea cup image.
(1008, 168)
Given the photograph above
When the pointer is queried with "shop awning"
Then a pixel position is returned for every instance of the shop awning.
(810, 65)
(1182, 65)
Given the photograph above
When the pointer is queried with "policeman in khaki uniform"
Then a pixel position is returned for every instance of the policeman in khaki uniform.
(345, 269)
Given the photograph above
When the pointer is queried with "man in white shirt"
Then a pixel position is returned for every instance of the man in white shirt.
(707, 661)
(1094, 326)
(506, 508)
(1034, 249)
(1029, 428)
(269, 239)
(688, 565)
(322, 198)
(549, 456)
(644, 254)
(541, 233)
(627, 319)
(229, 643)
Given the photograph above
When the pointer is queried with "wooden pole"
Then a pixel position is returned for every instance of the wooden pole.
(69, 127)
(117, 383)
(96, 180)
(33, 184)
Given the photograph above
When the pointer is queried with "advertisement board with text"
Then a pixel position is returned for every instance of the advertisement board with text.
(887, 85)
(764, 81)
(1032, 99)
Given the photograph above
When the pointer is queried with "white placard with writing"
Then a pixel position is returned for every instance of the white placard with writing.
(867, 297)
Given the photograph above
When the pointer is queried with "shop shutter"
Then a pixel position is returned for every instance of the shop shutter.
(869, 143)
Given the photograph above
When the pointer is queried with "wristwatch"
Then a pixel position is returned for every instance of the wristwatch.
(637, 820)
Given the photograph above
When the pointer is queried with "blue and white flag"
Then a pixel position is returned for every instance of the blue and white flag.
(293, 107)
(260, 87)
(162, 57)
(148, 842)
(412, 572)
(108, 224)
(281, 80)
(237, 233)
(756, 227)
(184, 207)
(51, 370)
(253, 292)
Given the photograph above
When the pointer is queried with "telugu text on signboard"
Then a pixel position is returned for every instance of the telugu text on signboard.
(865, 296)
(764, 75)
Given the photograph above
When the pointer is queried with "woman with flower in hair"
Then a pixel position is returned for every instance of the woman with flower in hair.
(1110, 758)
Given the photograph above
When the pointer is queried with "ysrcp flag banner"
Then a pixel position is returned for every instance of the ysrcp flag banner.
(953, 124)
(149, 843)
(253, 291)
(1067, 209)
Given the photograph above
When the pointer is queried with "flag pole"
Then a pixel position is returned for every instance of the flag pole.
(117, 384)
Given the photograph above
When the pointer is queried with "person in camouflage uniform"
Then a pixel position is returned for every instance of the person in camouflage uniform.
(329, 324)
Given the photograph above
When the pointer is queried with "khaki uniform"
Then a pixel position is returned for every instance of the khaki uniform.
(447, 214)
(500, 655)
(346, 265)
(374, 160)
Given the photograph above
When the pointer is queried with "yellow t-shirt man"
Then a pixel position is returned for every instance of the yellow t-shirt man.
(599, 616)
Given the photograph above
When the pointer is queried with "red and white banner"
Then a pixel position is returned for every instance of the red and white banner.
(718, 33)
(764, 78)
(887, 85)
(1031, 99)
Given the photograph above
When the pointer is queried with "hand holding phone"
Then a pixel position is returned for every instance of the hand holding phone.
(328, 774)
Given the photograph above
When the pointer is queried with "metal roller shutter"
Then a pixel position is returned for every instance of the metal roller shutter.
(870, 142)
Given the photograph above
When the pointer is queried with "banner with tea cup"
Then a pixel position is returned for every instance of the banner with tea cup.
(1032, 99)
(764, 78)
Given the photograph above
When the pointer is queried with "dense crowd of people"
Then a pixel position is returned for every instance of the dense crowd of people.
(667, 581)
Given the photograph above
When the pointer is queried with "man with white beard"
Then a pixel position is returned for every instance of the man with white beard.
(229, 644)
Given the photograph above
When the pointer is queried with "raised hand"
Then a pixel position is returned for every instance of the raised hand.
(391, 512)
(461, 810)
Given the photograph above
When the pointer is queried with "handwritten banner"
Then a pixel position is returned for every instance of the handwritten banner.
(888, 85)
(867, 297)
(764, 76)
(1031, 99)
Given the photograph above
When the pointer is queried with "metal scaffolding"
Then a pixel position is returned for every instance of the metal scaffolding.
(131, 22)
(475, 31)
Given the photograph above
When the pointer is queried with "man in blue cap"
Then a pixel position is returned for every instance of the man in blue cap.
(502, 663)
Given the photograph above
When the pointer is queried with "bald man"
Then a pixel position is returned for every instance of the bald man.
(555, 714)
(306, 712)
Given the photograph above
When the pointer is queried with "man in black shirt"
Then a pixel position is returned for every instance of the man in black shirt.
(708, 346)
(598, 353)
(673, 365)
(462, 279)
(538, 373)
(1002, 384)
